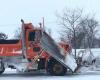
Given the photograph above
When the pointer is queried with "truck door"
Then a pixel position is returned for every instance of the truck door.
(33, 41)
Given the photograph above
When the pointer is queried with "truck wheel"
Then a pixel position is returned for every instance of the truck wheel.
(55, 68)
(2, 68)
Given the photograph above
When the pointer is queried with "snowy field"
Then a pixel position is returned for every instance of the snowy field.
(13, 75)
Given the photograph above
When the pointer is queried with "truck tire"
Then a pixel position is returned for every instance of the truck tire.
(2, 68)
(55, 68)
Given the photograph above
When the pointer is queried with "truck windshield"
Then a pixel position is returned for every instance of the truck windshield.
(35, 35)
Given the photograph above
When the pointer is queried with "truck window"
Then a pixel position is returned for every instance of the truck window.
(31, 36)
(38, 35)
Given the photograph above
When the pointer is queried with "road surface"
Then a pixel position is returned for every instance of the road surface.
(12, 75)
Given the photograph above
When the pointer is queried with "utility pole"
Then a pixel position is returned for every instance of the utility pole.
(43, 24)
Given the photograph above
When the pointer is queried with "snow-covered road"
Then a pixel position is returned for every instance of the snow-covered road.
(12, 75)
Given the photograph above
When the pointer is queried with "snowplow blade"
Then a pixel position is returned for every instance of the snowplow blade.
(50, 46)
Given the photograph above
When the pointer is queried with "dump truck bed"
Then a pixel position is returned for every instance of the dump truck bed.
(10, 48)
(9, 41)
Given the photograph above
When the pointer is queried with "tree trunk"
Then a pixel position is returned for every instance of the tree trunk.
(75, 43)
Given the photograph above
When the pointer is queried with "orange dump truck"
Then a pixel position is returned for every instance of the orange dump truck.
(36, 50)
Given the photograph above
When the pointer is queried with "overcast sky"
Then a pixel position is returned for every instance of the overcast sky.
(11, 11)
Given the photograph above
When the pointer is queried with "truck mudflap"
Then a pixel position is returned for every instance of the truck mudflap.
(50, 46)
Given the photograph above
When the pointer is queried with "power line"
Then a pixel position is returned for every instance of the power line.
(14, 25)
(7, 25)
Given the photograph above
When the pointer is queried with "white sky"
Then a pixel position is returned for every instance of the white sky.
(11, 11)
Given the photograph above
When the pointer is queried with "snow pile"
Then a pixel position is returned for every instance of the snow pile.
(87, 56)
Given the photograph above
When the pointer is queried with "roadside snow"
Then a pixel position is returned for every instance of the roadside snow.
(95, 51)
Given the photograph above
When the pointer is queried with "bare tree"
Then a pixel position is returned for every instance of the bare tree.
(3, 36)
(89, 26)
(92, 24)
(17, 34)
(69, 22)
